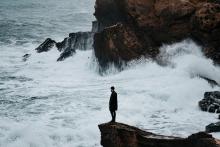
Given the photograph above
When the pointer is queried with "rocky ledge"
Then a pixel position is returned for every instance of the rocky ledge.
(121, 135)
(130, 29)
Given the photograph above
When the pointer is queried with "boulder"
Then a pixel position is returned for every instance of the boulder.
(46, 45)
(213, 127)
(210, 102)
(154, 23)
(121, 135)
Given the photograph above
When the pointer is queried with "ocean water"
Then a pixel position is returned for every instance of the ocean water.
(44, 103)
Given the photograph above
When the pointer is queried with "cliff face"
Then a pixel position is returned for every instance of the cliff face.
(144, 25)
(121, 135)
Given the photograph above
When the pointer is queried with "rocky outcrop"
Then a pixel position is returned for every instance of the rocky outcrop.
(46, 45)
(79, 40)
(210, 102)
(149, 24)
(75, 41)
(121, 135)
(213, 127)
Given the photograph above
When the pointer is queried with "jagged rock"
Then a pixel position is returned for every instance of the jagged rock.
(121, 135)
(25, 57)
(154, 23)
(213, 95)
(210, 102)
(79, 40)
(46, 45)
(75, 41)
(213, 127)
(66, 53)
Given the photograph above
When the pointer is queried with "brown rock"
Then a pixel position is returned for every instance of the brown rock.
(147, 24)
(107, 13)
(118, 43)
(121, 135)
(207, 16)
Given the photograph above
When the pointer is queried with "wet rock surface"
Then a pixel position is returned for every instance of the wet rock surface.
(68, 52)
(75, 41)
(152, 24)
(121, 135)
(213, 127)
(210, 102)
(79, 40)
(46, 45)
(67, 48)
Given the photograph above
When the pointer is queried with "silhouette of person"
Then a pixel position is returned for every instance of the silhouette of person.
(113, 104)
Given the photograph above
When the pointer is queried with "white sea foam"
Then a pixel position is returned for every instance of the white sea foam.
(60, 104)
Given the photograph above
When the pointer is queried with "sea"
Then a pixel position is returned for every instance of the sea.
(45, 103)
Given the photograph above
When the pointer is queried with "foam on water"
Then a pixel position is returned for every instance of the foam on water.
(60, 104)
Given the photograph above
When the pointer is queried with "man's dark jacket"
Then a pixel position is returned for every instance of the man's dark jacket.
(113, 103)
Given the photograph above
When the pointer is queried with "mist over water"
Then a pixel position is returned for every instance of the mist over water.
(44, 103)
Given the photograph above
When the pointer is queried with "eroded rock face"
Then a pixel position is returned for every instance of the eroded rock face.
(118, 43)
(156, 22)
(121, 135)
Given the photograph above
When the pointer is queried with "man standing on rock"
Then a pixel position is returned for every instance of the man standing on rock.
(113, 104)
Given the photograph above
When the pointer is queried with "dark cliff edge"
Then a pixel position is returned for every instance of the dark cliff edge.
(131, 29)
(121, 135)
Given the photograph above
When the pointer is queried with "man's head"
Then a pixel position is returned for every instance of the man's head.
(112, 88)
